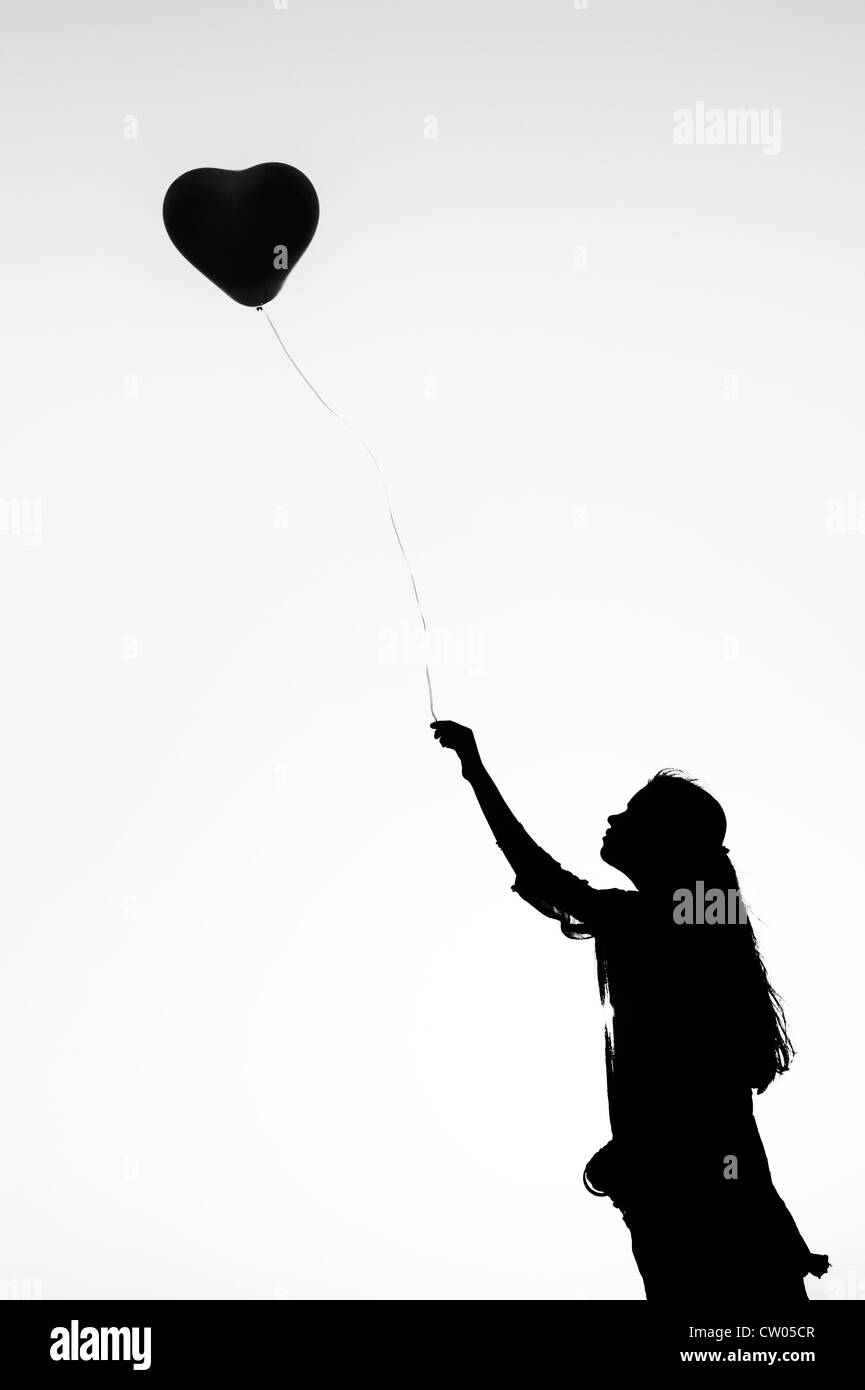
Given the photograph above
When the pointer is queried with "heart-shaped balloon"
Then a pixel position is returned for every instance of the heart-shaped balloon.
(242, 228)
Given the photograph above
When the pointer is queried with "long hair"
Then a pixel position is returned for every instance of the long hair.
(734, 987)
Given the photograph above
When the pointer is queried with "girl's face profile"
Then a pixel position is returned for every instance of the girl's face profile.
(633, 834)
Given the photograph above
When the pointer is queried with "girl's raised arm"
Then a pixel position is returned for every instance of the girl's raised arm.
(540, 879)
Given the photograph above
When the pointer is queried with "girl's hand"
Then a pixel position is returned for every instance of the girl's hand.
(457, 737)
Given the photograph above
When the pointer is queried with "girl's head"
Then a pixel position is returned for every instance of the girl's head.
(670, 827)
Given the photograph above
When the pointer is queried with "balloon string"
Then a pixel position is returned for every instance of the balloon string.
(381, 475)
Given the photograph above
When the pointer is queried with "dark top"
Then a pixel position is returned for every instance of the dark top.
(677, 1052)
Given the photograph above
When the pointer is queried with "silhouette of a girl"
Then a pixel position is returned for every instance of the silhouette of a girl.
(695, 1028)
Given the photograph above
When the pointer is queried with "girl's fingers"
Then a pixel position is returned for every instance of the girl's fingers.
(442, 734)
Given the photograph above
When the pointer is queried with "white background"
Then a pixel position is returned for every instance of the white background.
(272, 1023)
